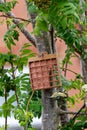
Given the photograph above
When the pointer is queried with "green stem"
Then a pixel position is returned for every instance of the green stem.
(26, 127)
(13, 76)
(6, 112)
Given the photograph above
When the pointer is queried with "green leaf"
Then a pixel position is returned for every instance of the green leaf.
(37, 31)
(15, 35)
(31, 7)
(71, 100)
(82, 118)
(26, 45)
(12, 99)
(42, 25)
(26, 51)
(10, 36)
(7, 6)
(6, 108)
(31, 128)
(21, 25)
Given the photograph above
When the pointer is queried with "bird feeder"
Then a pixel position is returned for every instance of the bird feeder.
(44, 72)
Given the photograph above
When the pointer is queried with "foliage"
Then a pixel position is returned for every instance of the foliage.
(10, 36)
(2, 128)
(21, 83)
(14, 79)
(66, 18)
(72, 125)
(63, 16)
(6, 7)
(23, 117)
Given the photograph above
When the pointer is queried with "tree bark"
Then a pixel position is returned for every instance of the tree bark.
(84, 69)
(83, 61)
(50, 118)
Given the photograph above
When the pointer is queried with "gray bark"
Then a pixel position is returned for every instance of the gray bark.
(84, 69)
(83, 61)
(63, 106)
(50, 118)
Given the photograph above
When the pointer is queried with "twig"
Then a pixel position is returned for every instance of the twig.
(52, 38)
(13, 75)
(78, 56)
(72, 113)
(6, 16)
(27, 108)
(65, 70)
(69, 70)
(61, 112)
(29, 100)
(6, 117)
(78, 51)
(72, 72)
(78, 112)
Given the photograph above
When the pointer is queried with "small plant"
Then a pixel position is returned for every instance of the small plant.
(2, 128)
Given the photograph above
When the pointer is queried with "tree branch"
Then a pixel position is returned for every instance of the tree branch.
(79, 112)
(23, 29)
(72, 72)
(61, 112)
(6, 16)
(76, 50)
(29, 101)
(72, 113)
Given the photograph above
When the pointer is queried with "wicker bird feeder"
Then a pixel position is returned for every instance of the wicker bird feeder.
(44, 72)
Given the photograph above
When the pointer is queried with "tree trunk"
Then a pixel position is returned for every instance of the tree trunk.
(84, 61)
(50, 118)
(63, 106)
(84, 69)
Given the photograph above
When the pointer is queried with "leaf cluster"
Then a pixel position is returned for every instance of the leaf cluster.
(11, 35)
(72, 125)
(14, 79)
(7, 6)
